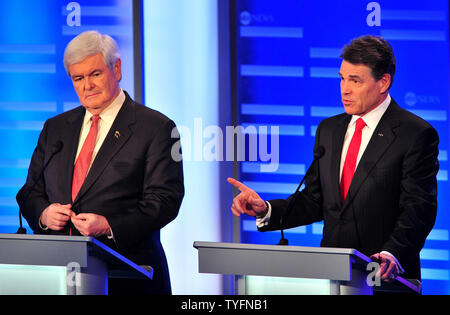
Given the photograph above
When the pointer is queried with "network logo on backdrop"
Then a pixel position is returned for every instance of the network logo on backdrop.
(247, 18)
(411, 99)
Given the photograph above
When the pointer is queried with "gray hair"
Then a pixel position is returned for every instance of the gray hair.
(90, 43)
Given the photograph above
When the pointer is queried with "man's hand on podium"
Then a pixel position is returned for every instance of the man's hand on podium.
(389, 268)
(247, 202)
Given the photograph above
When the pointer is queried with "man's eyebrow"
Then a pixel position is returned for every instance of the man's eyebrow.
(351, 76)
(95, 70)
(82, 75)
(354, 76)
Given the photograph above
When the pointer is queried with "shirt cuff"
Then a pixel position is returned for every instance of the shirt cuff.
(400, 268)
(111, 237)
(41, 226)
(263, 221)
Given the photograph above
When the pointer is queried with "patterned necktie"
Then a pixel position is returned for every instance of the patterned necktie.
(84, 158)
(350, 159)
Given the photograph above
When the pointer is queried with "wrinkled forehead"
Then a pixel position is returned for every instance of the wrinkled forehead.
(350, 70)
(88, 65)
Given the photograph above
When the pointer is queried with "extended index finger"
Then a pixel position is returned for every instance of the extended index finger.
(237, 184)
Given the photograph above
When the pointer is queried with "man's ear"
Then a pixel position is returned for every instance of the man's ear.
(384, 83)
(118, 69)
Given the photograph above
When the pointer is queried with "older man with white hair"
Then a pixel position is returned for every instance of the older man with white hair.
(113, 176)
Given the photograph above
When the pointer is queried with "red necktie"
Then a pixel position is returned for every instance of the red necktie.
(84, 158)
(350, 159)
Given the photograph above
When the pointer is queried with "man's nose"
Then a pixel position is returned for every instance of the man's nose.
(88, 83)
(345, 88)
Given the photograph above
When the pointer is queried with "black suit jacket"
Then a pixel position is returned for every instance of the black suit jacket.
(392, 201)
(133, 181)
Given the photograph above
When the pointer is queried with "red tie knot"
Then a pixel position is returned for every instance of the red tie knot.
(360, 124)
(95, 118)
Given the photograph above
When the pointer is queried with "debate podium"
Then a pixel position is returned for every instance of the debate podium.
(275, 269)
(67, 265)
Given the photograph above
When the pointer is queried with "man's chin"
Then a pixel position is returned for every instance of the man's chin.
(92, 106)
(349, 110)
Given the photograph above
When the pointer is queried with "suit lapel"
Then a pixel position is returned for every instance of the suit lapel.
(338, 142)
(381, 140)
(117, 136)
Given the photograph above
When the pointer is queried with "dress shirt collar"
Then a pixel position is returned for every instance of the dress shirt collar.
(109, 113)
(373, 117)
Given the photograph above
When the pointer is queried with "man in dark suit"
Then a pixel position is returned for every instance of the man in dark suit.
(111, 174)
(375, 185)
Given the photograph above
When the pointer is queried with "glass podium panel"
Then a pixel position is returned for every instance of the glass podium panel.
(32, 280)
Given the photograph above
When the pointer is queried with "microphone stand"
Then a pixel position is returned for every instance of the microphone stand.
(318, 153)
(57, 147)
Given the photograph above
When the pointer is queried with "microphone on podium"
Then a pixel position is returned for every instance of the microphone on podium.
(318, 153)
(56, 148)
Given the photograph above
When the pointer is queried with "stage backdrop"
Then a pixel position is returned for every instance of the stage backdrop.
(287, 64)
(181, 42)
(33, 83)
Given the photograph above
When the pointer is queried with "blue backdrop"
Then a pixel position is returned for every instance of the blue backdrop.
(33, 83)
(288, 63)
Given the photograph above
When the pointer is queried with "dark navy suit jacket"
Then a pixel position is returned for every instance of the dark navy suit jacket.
(133, 181)
(392, 201)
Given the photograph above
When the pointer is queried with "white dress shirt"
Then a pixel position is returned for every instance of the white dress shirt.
(107, 117)
(371, 119)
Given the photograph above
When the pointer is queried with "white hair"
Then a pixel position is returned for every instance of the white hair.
(90, 43)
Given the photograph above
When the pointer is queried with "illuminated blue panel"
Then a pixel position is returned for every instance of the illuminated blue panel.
(434, 254)
(284, 130)
(27, 68)
(181, 81)
(438, 235)
(286, 168)
(280, 32)
(272, 71)
(287, 75)
(324, 52)
(411, 35)
(28, 49)
(34, 83)
(283, 110)
(413, 15)
(324, 72)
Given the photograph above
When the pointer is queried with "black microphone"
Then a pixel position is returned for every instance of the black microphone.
(318, 153)
(56, 148)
